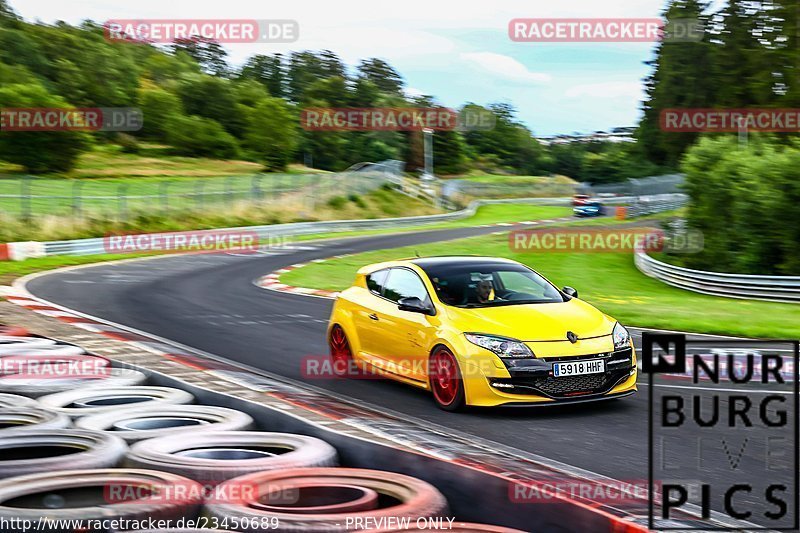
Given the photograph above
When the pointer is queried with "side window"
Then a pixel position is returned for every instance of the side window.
(376, 280)
(403, 283)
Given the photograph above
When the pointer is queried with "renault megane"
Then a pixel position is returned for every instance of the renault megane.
(479, 331)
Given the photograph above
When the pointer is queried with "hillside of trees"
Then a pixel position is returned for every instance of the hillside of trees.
(744, 191)
(195, 101)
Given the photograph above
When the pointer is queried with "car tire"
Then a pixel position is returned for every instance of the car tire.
(98, 400)
(341, 353)
(15, 400)
(34, 388)
(134, 424)
(412, 498)
(260, 451)
(25, 418)
(55, 495)
(446, 380)
(43, 450)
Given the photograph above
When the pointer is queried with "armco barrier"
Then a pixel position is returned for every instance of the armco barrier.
(637, 206)
(19, 251)
(770, 288)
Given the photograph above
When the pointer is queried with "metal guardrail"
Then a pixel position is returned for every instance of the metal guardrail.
(751, 287)
(265, 233)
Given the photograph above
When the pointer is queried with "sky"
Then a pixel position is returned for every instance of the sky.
(456, 50)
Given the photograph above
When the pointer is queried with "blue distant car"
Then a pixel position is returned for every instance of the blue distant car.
(590, 209)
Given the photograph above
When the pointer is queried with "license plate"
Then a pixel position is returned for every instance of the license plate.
(578, 368)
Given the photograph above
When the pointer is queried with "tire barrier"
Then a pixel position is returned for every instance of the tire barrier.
(95, 495)
(13, 342)
(31, 349)
(13, 331)
(214, 457)
(25, 418)
(100, 399)
(15, 400)
(323, 499)
(34, 451)
(135, 424)
(34, 388)
(458, 527)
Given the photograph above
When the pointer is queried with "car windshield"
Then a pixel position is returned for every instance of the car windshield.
(490, 284)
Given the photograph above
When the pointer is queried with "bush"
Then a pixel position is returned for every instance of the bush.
(128, 143)
(337, 202)
(356, 199)
(744, 200)
(201, 137)
(37, 151)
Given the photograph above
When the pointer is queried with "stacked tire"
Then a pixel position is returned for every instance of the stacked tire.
(108, 446)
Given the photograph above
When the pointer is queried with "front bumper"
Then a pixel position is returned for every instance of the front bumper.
(531, 381)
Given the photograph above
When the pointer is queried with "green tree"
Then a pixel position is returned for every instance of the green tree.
(271, 133)
(382, 75)
(680, 79)
(39, 152)
(159, 108)
(209, 54)
(213, 98)
(200, 137)
(269, 71)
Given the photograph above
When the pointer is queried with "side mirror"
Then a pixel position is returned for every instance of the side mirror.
(414, 305)
(569, 291)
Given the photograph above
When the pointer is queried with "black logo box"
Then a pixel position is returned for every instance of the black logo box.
(678, 341)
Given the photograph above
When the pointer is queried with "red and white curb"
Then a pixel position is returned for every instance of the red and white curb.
(272, 281)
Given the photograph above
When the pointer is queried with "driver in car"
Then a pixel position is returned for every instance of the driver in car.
(484, 290)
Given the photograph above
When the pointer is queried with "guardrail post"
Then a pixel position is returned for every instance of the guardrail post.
(25, 198)
(163, 192)
(77, 185)
(198, 194)
(122, 201)
(228, 190)
(255, 187)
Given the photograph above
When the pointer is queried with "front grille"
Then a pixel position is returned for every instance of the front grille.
(618, 366)
(571, 384)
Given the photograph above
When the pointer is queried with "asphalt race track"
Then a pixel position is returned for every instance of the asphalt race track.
(209, 302)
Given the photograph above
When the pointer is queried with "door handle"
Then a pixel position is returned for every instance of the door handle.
(373, 316)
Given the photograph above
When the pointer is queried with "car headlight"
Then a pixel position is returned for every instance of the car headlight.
(622, 338)
(500, 346)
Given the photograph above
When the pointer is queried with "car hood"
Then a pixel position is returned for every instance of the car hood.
(534, 322)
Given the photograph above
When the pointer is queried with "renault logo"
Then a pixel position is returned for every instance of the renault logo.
(572, 337)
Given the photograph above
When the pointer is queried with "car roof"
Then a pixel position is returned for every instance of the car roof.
(435, 261)
(456, 260)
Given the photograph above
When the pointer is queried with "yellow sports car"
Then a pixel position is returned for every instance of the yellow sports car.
(479, 331)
